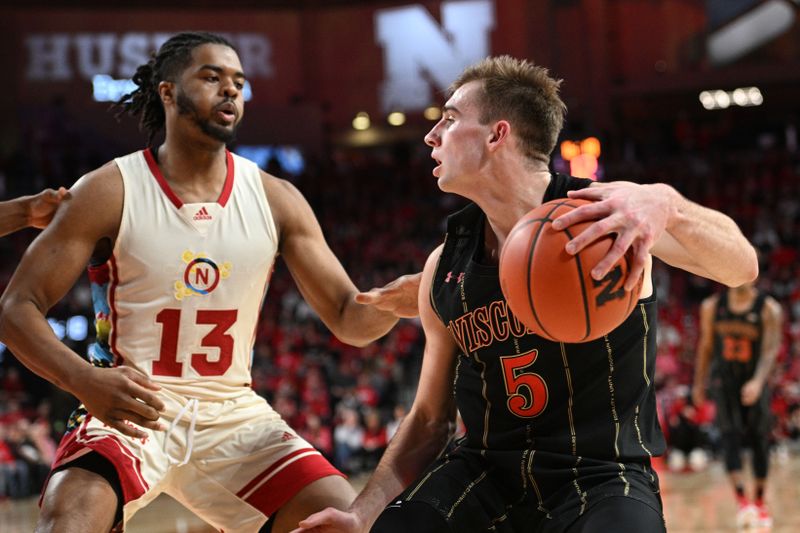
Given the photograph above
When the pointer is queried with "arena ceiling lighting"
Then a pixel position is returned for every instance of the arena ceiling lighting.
(432, 112)
(741, 97)
(361, 122)
(396, 118)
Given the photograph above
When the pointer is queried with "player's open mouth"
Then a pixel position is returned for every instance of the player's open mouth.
(226, 112)
(437, 167)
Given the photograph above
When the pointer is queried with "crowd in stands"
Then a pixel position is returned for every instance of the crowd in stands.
(382, 214)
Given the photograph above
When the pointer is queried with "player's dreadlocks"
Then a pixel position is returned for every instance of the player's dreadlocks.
(166, 65)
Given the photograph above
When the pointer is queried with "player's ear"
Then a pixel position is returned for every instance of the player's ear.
(499, 134)
(166, 90)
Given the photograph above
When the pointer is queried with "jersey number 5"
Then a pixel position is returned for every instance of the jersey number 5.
(527, 391)
(170, 319)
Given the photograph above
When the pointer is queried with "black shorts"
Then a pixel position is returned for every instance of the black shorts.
(533, 491)
(732, 416)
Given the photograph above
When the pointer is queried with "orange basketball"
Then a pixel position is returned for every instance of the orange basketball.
(551, 291)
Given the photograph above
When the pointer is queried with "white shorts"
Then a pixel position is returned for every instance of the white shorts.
(233, 462)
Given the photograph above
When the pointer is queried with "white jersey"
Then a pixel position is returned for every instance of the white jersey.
(186, 281)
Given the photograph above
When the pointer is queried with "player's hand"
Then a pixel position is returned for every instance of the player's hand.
(331, 520)
(42, 206)
(751, 391)
(121, 397)
(398, 297)
(634, 215)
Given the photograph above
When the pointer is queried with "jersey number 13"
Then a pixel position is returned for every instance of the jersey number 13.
(167, 363)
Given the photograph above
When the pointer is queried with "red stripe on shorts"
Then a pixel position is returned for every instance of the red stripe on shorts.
(283, 479)
(129, 469)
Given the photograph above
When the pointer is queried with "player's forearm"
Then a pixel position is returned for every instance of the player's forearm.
(765, 366)
(712, 239)
(769, 354)
(772, 315)
(14, 215)
(25, 331)
(361, 324)
(415, 445)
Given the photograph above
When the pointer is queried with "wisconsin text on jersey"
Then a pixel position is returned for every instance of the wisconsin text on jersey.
(485, 325)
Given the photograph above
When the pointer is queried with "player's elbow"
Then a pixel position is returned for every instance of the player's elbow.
(5, 325)
(361, 333)
(354, 340)
(11, 322)
(434, 425)
(746, 271)
(353, 336)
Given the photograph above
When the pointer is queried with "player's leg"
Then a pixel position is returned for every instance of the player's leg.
(96, 472)
(85, 497)
(760, 447)
(732, 453)
(760, 463)
(330, 491)
(609, 514)
(253, 469)
(459, 492)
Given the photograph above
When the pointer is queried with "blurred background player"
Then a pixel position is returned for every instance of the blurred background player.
(740, 333)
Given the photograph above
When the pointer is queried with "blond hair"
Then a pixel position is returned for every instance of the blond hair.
(522, 93)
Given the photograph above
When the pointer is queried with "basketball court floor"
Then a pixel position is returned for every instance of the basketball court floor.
(694, 502)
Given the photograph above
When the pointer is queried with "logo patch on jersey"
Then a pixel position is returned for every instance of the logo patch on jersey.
(287, 436)
(200, 276)
(202, 214)
(450, 277)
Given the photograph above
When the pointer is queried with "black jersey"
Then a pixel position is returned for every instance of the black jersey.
(515, 390)
(737, 343)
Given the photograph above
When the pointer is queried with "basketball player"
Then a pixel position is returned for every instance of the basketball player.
(182, 239)
(559, 436)
(740, 334)
(34, 211)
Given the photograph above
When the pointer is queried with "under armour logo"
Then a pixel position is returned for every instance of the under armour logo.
(202, 214)
(450, 277)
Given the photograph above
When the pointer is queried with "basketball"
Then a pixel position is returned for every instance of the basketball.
(551, 291)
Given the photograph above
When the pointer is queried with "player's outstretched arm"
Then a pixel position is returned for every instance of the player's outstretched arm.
(89, 214)
(30, 211)
(421, 436)
(705, 347)
(317, 272)
(656, 219)
(398, 297)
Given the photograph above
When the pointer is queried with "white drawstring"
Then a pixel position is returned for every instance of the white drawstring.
(192, 404)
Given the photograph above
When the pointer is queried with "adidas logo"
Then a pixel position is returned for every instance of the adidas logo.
(287, 436)
(202, 214)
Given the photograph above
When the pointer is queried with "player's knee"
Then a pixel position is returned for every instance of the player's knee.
(57, 516)
(46, 523)
(405, 516)
(76, 500)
